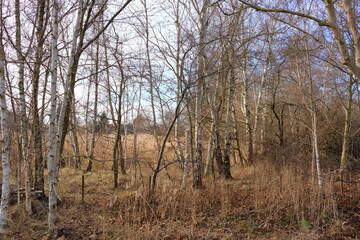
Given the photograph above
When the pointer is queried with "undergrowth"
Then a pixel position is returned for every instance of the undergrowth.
(262, 201)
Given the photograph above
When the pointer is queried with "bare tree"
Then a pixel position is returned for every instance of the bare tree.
(24, 123)
(95, 77)
(53, 161)
(347, 124)
(5, 138)
(118, 147)
(36, 132)
(204, 18)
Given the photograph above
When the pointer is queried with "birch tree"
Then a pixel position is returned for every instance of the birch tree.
(229, 116)
(314, 118)
(150, 74)
(36, 132)
(200, 78)
(23, 117)
(347, 124)
(5, 138)
(52, 159)
(95, 77)
(118, 147)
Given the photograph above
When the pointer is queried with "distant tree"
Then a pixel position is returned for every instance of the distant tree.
(140, 122)
(102, 123)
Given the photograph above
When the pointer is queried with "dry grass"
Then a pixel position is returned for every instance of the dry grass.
(264, 201)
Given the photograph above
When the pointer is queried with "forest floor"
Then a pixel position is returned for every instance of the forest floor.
(223, 210)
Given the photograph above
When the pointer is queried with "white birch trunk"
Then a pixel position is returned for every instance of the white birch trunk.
(61, 128)
(347, 124)
(314, 121)
(95, 116)
(313, 113)
(229, 122)
(260, 96)
(52, 158)
(187, 158)
(199, 93)
(180, 76)
(214, 141)
(5, 141)
(24, 127)
(352, 63)
(246, 111)
(210, 152)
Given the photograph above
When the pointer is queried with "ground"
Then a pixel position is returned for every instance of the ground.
(223, 210)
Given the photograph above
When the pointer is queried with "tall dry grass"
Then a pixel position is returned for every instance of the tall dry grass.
(289, 195)
(264, 201)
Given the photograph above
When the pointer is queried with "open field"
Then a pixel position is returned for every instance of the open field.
(264, 201)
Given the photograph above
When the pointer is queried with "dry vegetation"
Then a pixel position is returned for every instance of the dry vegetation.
(264, 201)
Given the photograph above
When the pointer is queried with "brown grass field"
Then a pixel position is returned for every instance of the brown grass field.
(264, 201)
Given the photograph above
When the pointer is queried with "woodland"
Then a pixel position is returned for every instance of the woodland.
(180, 119)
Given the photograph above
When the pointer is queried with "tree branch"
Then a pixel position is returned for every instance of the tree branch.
(279, 10)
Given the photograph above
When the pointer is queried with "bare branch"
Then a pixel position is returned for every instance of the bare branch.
(279, 10)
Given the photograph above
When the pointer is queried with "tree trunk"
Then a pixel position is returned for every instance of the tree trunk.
(209, 166)
(258, 100)
(246, 111)
(229, 123)
(238, 145)
(199, 94)
(215, 127)
(95, 116)
(179, 79)
(36, 124)
(118, 148)
(346, 136)
(52, 158)
(135, 152)
(24, 125)
(186, 160)
(314, 123)
(75, 140)
(5, 140)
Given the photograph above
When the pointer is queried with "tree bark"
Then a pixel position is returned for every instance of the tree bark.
(346, 136)
(199, 94)
(95, 116)
(53, 160)
(36, 124)
(246, 111)
(24, 125)
(118, 148)
(179, 79)
(186, 160)
(5, 139)
(229, 122)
